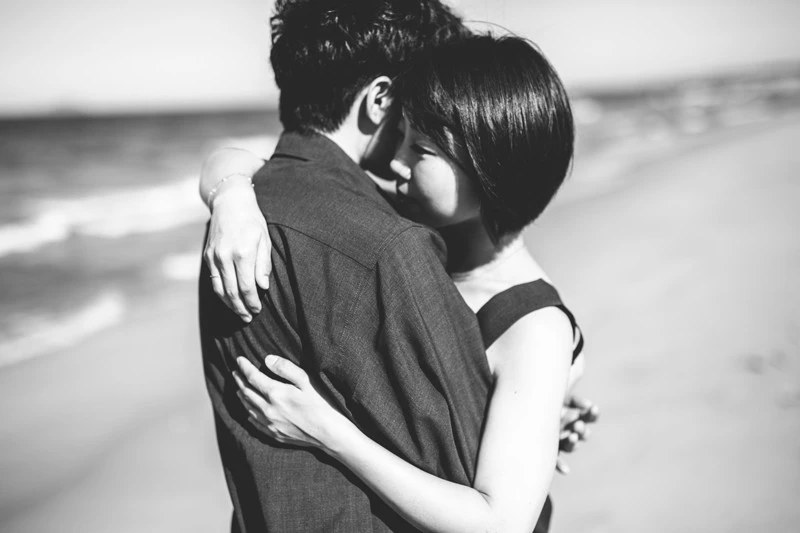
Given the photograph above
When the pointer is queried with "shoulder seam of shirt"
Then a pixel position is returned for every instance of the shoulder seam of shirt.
(381, 247)
(357, 382)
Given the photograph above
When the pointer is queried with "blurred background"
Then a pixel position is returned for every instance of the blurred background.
(675, 242)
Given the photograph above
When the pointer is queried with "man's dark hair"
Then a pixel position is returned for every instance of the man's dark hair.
(324, 52)
(496, 107)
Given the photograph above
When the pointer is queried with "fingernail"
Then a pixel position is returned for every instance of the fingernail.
(247, 318)
(268, 360)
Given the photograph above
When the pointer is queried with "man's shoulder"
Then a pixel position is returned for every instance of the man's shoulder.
(310, 201)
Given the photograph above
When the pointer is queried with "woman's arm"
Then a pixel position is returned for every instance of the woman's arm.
(518, 448)
(226, 170)
(238, 245)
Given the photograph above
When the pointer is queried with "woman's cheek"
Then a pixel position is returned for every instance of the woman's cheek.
(444, 189)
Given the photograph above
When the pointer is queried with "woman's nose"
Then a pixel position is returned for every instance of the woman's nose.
(400, 169)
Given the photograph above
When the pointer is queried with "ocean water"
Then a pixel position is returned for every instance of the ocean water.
(100, 215)
(97, 215)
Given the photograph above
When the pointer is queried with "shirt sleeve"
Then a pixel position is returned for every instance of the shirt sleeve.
(424, 378)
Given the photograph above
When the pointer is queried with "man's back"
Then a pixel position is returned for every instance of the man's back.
(359, 298)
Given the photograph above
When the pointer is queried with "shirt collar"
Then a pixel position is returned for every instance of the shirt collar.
(314, 146)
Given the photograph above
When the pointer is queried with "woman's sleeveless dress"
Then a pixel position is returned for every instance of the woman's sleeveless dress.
(502, 311)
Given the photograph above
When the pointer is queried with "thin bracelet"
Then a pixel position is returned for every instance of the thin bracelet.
(214, 190)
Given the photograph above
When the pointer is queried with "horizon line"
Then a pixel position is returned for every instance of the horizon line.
(782, 69)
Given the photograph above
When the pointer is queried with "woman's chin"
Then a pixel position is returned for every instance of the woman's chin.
(416, 213)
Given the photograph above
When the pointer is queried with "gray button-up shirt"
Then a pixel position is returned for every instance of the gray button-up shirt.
(359, 297)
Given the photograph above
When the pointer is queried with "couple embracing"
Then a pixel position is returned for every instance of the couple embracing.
(405, 363)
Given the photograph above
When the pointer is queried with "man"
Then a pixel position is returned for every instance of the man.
(358, 296)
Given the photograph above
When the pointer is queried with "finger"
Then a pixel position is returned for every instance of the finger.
(216, 280)
(231, 288)
(287, 370)
(569, 443)
(576, 402)
(241, 384)
(561, 466)
(208, 256)
(263, 263)
(255, 378)
(573, 441)
(251, 397)
(253, 414)
(578, 428)
(591, 415)
(256, 418)
(249, 405)
(569, 416)
(261, 426)
(245, 274)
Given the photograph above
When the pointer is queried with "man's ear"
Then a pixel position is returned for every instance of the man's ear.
(378, 100)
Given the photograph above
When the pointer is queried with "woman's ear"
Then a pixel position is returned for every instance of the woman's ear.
(378, 101)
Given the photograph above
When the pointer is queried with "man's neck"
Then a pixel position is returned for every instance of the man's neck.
(350, 139)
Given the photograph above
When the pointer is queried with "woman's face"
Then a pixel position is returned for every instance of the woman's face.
(431, 188)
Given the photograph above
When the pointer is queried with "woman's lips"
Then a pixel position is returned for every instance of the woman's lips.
(405, 204)
(402, 196)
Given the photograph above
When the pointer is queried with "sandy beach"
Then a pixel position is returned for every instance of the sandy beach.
(684, 276)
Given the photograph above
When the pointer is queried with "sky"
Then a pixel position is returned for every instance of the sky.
(108, 56)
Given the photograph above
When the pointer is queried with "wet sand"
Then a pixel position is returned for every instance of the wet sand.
(684, 277)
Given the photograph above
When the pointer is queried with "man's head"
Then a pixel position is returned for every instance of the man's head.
(326, 53)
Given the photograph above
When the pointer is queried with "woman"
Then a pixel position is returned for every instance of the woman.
(487, 141)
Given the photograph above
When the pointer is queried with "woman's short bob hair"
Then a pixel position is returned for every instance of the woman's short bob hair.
(496, 107)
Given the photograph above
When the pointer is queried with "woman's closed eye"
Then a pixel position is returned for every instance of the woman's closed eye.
(422, 150)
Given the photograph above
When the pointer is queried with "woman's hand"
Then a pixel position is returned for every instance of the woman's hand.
(238, 245)
(237, 249)
(576, 416)
(291, 413)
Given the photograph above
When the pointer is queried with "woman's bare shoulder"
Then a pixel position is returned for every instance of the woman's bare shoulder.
(542, 337)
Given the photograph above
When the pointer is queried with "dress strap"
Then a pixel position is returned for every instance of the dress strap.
(505, 308)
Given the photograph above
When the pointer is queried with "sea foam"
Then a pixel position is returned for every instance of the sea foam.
(116, 213)
(110, 214)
